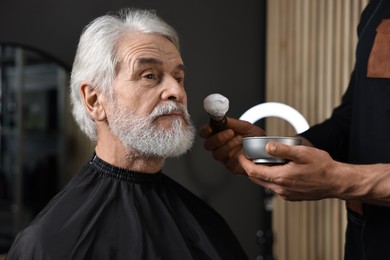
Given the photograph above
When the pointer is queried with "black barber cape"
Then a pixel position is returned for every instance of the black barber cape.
(113, 214)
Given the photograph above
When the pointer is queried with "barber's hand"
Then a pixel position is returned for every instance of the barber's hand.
(227, 145)
(309, 175)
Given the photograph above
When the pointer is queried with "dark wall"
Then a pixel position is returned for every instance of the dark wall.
(223, 49)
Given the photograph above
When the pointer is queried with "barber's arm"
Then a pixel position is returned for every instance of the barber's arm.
(312, 174)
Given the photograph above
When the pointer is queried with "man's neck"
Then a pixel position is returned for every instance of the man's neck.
(114, 153)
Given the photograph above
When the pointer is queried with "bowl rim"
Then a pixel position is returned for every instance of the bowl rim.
(272, 137)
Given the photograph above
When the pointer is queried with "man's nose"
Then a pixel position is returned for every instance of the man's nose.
(173, 90)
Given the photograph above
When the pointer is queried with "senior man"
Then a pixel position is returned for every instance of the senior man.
(128, 96)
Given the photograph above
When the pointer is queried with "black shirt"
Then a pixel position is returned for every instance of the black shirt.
(358, 131)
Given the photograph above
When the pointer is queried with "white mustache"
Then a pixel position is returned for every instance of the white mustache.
(168, 108)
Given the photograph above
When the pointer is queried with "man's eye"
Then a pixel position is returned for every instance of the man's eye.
(149, 76)
(179, 79)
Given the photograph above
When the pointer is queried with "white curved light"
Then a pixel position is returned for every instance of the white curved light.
(275, 109)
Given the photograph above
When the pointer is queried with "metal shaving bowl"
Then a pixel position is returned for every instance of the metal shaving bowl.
(254, 148)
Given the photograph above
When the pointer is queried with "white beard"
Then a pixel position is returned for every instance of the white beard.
(141, 136)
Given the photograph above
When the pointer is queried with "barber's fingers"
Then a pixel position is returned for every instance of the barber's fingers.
(244, 128)
(239, 127)
(228, 150)
(280, 190)
(277, 174)
(219, 139)
(289, 152)
(260, 174)
(264, 184)
(231, 162)
(274, 188)
(268, 177)
(205, 131)
(259, 171)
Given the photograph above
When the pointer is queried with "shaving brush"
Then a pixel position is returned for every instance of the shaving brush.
(216, 106)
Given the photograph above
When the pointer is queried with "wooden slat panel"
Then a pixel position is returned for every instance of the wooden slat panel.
(310, 54)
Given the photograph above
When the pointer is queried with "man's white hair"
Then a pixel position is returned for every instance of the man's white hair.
(97, 55)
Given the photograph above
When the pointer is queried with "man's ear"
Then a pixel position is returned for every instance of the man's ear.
(92, 102)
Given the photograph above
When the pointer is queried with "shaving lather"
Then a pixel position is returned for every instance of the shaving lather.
(216, 106)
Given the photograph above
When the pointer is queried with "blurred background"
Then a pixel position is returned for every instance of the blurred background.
(297, 52)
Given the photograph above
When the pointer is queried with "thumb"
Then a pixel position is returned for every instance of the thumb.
(244, 128)
(281, 150)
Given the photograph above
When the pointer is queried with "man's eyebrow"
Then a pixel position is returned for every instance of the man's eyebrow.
(181, 67)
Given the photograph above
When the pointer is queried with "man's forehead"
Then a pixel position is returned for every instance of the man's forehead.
(144, 42)
(139, 50)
